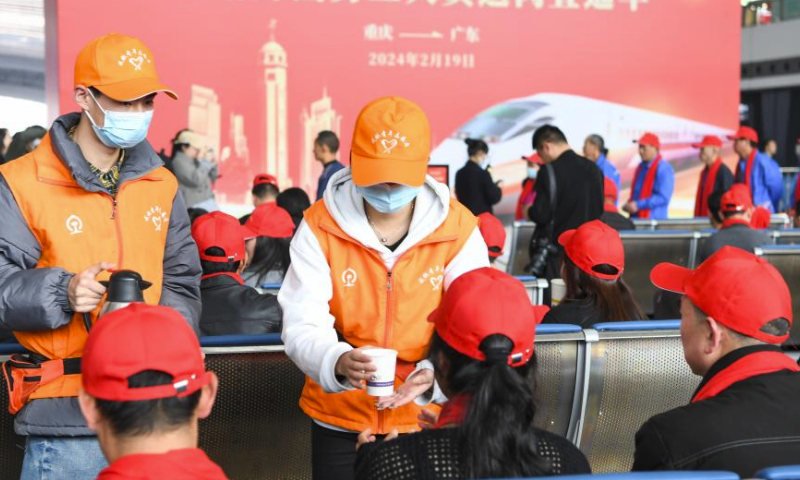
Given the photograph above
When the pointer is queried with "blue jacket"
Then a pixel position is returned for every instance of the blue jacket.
(658, 203)
(609, 170)
(766, 181)
(327, 173)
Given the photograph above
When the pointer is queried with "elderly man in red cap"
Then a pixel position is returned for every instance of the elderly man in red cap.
(716, 176)
(736, 310)
(653, 182)
(761, 174)
(144, 400)
(736, 208)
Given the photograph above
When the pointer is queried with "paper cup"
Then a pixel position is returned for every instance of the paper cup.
(558, 290)
(382, 383)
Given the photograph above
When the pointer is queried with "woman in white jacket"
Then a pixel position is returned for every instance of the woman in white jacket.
(369, 263)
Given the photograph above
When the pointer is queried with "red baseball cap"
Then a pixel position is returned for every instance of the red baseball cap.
(534, 158)
(737, 199)
(263, 178)
(761, 218)
(217, 229)
(594, 243)
(494, 234)
(650, 139)
(137, 338)
(485, 302)
(709, 141)
(610, 190)
(734, 287)
(745, 133)
(270, 220)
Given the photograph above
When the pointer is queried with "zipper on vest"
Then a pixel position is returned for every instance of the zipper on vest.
(113, 208)
(117, 224)
(387, 333)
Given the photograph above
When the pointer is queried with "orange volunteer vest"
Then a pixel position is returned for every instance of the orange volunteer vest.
(77, 229)
(388, 309)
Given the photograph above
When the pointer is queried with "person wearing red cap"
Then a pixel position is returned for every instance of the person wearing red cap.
(93, 196)
(482, 350)
(593, 264)
(736, 310)
(145, 400)
(761, 174)
(716, 176)
(653, 182)
(736, 230)
(265, 190)
(229, 306)
(611, 215)
(271, 230)
(525, 201)
(368, 265)
(494, 234)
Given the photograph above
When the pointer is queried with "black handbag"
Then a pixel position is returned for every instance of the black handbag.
(542, 246)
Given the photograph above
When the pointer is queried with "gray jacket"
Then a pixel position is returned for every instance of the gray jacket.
(194, 178)
(34, 299)
(736, 235)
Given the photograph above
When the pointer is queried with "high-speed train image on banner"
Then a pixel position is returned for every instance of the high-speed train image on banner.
(508, 128)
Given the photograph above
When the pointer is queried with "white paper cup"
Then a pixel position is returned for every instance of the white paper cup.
(382, 382)
(558, 290)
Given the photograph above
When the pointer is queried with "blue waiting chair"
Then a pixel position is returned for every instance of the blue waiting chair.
(672, 475)
(787, 472)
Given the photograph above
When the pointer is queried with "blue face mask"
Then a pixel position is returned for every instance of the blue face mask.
(532, 172)
(121, 129)
(387, 200)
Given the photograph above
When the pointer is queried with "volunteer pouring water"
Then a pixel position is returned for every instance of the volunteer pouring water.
(370, 262)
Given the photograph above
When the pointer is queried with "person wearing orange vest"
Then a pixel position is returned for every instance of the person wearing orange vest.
(370, 262)
(653, 182)
(93, 196)
(715, 177)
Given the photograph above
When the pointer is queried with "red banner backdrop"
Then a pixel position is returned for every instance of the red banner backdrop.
(260, 77)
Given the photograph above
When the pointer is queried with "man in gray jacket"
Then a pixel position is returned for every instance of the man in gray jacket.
(736, 208)
(195, 174)
(93, 196)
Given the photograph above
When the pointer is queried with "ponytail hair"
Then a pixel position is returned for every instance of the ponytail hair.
(475, 146)
(497, 438)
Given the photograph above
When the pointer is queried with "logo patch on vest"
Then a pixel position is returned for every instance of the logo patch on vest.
(434, 276)
(349, 277)
(74, 225)
(157, 217)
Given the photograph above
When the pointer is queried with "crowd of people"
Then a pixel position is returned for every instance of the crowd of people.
(384, 258)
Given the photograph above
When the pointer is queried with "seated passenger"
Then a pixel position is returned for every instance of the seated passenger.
(229, 306)
(736, 311)
(611, 215)
(295, 201)
(593, 263)
(737, 210)
(144, 389)
(481, 350)
(268, 252)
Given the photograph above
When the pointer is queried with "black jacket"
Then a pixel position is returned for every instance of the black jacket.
(476, 190)
(617, 221)
(736, 235)
(435, 455)
(230, 308)
(579, 194)
(753, 424)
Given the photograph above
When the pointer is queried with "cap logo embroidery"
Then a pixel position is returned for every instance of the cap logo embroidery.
(74, 225)
(389, 140)
(349, 277)
(157, 217)
(134, 57)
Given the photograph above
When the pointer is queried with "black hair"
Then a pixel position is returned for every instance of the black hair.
(142, 417)
(496, 438)
(549, 134)
(715, 206)
(21, 140)
(270, 254)
(612, 298)
(475, 146)
(598, 142)
(210, 268)
(328, 139)
(195, 213)
(263, 190)
(295, 201)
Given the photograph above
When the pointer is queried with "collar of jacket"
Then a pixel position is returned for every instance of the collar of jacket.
(730, 358)
(221, 278)
(139, 160)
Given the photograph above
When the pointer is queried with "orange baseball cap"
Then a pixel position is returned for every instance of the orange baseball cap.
(121, 67)
(391, 143)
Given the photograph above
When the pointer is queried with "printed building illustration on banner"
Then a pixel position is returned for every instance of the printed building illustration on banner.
(276, 135)
(320, 116)
(205, 115)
